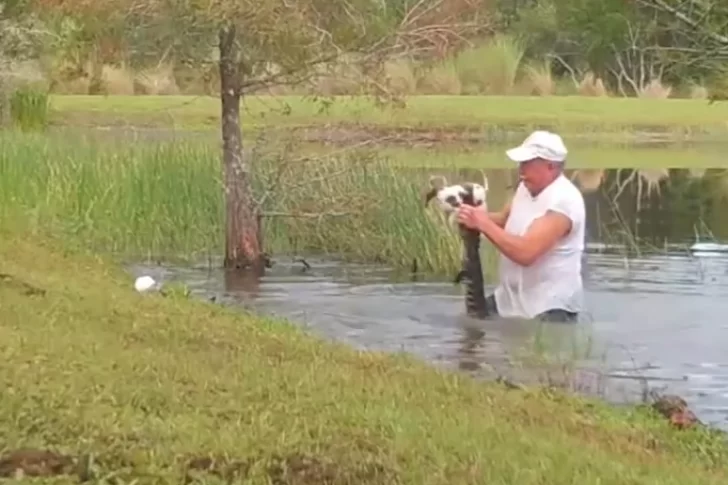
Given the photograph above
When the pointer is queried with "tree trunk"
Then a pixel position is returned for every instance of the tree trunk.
(242, 241)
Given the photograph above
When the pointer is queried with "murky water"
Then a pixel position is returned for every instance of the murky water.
(655, 321)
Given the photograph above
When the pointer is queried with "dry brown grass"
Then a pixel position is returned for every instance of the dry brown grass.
(493, 67)
(655, 89)
(539, 79)
(343, 77)
(400, 77)
(697, 172)
(698, 92)
(590, 85)
(441, 78)
(117, 80)
(159, 80)
(589, 180)
(653, 177)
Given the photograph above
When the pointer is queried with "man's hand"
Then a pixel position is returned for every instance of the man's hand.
(472, 217)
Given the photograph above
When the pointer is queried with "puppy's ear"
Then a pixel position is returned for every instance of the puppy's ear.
(437, 182)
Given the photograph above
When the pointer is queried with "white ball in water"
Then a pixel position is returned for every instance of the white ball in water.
(144, 283)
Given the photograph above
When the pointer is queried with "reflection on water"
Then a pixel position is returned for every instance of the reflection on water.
(654, 319)
(657, 206)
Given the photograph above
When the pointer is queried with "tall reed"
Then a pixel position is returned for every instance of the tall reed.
(29, 107)
(164, 200)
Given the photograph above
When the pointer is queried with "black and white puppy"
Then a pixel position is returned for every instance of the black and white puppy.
(450, 197)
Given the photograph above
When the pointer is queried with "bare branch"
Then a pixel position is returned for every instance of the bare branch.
(694, 23)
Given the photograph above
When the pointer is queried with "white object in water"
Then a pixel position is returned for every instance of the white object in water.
(709, 247)
(144, 283)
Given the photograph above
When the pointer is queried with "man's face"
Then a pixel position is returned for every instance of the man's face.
(536, 174)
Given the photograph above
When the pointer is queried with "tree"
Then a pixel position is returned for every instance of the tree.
(630, 43)
(22, 39)
(282, 42)
(266, 44)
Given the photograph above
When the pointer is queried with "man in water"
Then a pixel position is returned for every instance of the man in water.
(539, 234)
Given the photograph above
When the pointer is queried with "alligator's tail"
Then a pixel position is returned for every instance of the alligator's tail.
(471, 275)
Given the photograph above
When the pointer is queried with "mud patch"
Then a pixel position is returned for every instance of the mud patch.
(25, 288)
(36, 463)
(463, 137)
(294, 469)
(301, 469)
(675, 409)
(223, 468)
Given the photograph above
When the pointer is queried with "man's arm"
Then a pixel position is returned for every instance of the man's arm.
(541, 236)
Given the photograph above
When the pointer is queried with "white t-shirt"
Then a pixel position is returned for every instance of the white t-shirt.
(554, 280)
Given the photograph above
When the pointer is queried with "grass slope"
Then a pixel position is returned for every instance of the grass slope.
(568, 113)
(144, 381)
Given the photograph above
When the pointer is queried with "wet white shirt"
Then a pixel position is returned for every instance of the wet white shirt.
(554, 280)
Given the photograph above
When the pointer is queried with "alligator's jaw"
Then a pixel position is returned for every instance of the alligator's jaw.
(472, 275)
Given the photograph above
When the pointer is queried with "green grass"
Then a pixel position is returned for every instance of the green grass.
(572, 114)
(143, 383)
(581, 156)
(29, 108)
(163, 200)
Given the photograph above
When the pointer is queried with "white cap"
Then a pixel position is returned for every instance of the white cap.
(539, 144)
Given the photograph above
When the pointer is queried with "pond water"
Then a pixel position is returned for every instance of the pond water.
(655, 320)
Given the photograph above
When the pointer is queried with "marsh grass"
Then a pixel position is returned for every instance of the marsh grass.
(163, 200)
(491, 67)
(29, 108)
(363, 207)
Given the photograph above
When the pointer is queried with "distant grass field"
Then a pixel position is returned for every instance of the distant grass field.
(569, 113)
(581, 156)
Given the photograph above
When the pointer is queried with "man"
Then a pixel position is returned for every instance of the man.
(539, 234)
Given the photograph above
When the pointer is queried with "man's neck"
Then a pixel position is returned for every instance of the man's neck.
(538, 192)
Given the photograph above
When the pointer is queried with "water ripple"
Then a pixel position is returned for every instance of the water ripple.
(655, 320)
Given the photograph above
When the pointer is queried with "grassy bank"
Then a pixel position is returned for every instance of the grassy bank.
(144, 383)
(164, 199)
(571, 114)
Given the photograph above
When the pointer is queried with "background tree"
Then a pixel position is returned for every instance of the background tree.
(628, 43)
(256, 46)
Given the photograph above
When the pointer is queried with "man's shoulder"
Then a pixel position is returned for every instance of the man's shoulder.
(568, 190)
(567, 199)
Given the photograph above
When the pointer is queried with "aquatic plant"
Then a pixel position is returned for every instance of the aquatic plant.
(163, 200)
